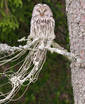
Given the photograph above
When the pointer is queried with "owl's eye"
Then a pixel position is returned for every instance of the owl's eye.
(45, 10)
(38, 10)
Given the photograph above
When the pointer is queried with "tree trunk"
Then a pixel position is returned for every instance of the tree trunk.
(76, 22)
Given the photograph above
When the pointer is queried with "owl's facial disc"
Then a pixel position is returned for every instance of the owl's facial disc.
(42, 10)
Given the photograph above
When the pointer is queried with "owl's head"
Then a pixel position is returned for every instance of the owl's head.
(42, 10)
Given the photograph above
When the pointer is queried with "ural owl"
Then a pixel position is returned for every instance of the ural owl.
(42, 23)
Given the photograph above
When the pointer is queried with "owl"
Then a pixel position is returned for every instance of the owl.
(42, 23)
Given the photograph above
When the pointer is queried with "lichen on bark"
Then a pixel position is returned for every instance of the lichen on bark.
(76, 22)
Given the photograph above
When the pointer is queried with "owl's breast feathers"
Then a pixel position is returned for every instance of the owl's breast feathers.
(43, 27)
(44, 20)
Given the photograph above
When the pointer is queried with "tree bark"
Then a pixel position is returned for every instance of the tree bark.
(76, 22)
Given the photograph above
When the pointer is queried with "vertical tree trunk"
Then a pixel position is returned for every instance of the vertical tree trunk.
(76, 21)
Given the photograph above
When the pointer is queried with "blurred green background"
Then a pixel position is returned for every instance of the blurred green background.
(54, 83)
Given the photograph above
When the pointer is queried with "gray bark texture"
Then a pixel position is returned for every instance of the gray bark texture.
(76, 22)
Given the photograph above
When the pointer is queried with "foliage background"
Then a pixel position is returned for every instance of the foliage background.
(54, 84)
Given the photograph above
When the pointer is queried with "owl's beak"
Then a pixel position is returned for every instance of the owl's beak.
(41, 14)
